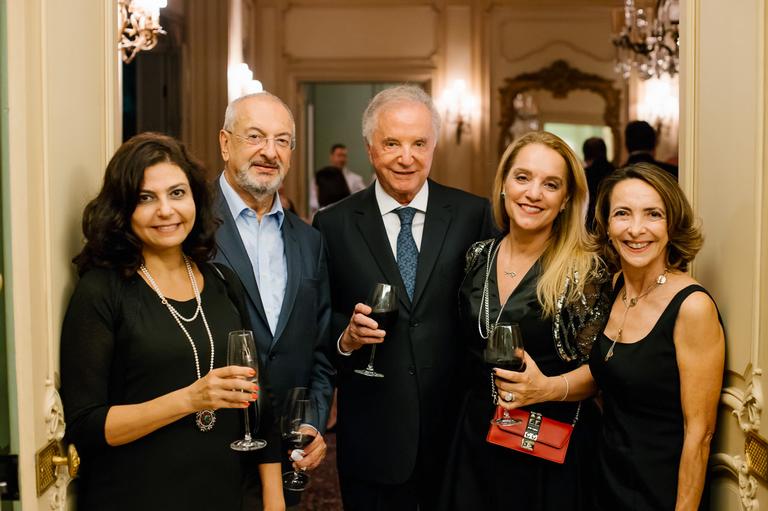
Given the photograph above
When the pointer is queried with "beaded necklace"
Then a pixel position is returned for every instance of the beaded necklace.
(204, 419)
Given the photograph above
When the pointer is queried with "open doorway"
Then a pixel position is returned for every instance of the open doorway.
(333, 112)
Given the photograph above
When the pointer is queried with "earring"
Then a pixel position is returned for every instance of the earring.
(503, 195)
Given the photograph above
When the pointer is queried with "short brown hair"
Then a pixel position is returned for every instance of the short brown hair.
(685, 237)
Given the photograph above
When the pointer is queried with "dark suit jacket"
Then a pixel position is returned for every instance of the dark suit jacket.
(384, 423)
(599, 170)
(297, 355)
(648, 158)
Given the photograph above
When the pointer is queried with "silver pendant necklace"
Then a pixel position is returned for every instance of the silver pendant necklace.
(628, 304)
(204, 419)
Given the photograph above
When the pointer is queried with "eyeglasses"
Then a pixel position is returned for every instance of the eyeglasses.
(258, 141)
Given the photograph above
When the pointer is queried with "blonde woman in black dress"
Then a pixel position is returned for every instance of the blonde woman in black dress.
(540, 275)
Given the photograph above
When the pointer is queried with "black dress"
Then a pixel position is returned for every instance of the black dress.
(120, 345)
(641, 440)
(483, 476)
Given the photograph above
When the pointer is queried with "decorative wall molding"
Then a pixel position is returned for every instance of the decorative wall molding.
(747, 404)
(737, 467)
(53, 413)
(549, 44)
(54, 430)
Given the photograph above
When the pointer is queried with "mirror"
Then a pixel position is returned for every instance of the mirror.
(560, 79)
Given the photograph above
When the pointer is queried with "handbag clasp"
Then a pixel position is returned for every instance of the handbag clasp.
(531, 431)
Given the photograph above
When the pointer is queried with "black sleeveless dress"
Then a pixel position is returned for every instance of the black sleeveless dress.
(642, 435)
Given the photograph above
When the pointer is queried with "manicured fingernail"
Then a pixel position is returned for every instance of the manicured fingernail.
(254, 397)
(251, 372)
(255, 388)
(244, 404)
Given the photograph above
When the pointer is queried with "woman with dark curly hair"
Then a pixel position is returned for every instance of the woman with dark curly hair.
(659, 362)
(149, 400)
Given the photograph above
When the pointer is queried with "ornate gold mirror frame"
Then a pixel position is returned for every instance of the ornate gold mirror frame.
(560, 79)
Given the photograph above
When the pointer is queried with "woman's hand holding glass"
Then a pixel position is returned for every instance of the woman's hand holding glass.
(529, 386)
(224, 387)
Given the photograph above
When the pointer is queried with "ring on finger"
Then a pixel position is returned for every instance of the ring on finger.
(508, 397)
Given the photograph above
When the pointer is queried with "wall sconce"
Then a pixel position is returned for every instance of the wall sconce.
(458, 105)
(138, 25)
(240, 81)
(658, 102)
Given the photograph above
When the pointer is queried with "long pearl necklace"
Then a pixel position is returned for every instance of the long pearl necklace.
(204, 419)
(628, 304)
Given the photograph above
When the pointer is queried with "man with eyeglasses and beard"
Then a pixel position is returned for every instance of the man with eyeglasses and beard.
(279, 258)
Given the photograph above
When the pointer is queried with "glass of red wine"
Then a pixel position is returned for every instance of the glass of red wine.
(299, 412)
(241, 351)
(505, 351)
(383, 301)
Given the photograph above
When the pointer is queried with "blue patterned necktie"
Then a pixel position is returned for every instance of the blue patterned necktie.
(407, 253)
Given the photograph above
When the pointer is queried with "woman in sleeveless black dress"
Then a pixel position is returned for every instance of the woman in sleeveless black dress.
(539, 200)
(659, 363)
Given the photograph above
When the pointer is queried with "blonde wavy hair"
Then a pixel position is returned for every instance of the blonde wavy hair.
(566, 254)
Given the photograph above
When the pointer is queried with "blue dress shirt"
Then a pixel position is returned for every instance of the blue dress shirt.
(263, 242)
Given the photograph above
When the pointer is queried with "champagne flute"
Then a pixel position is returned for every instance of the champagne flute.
(505, 350)
(383, 301)
(299, 410)
(241, 351)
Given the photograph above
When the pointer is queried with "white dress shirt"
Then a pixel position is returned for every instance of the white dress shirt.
(388, 205)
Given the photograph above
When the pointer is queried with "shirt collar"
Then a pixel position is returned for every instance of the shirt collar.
(387, 204)
(237, 205)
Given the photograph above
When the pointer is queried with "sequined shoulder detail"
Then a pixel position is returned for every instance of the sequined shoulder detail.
(577, 323)
(474, 252)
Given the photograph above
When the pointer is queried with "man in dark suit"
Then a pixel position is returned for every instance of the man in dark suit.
(410, 232)
(279, 258)
(597, 167)
(640, 141)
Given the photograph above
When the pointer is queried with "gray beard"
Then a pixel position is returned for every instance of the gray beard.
(258, 190)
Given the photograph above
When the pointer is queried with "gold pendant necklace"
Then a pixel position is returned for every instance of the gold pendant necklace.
(628, 304)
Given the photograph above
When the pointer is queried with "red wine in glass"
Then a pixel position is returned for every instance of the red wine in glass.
(505, 351)
(300, 440)
(383, 301)
(299, 411)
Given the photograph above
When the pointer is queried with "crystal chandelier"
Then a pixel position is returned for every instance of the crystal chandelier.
(138, 26)
(647, 40)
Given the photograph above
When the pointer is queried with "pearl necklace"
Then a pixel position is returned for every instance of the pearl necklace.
(204, 419)
(660, 281)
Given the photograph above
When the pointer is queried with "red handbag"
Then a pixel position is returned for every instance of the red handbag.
(534, 434)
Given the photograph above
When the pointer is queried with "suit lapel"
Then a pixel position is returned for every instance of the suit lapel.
(232, 249)
(293, 267)
(371, 227)
(436, 223)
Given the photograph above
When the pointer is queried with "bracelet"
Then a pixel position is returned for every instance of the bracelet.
(567, 387)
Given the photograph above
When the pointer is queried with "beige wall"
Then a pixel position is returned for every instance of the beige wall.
(62, 97)
(479, 41)
(724, 169)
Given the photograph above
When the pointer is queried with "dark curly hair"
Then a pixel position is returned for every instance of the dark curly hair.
(109, 239)
(685, 237)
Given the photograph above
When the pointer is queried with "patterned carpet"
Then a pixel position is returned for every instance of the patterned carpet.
(323, 491)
